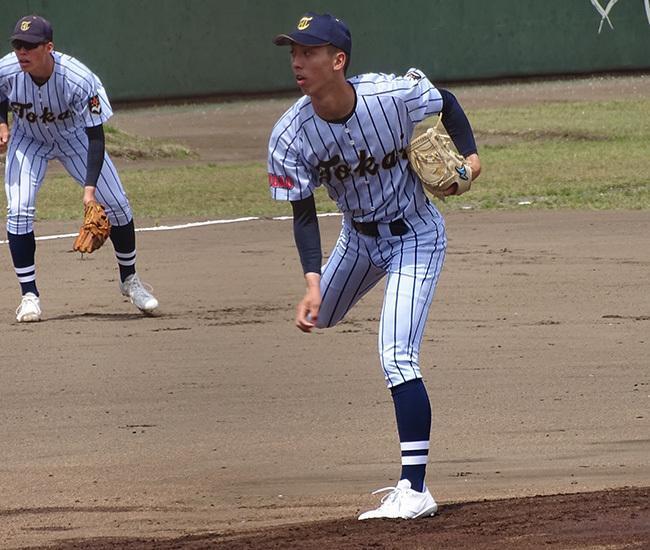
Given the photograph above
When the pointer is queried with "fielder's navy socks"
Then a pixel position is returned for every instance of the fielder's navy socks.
(123, 239)
(23, 251)
(413, 413)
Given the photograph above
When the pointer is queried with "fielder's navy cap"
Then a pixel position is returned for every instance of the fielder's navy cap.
(315, 29)
(33, 29)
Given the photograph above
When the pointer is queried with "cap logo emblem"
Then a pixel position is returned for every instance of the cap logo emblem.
(304, 23)
(24, 26)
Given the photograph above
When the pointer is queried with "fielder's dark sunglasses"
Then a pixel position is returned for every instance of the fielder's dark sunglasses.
(19, 45)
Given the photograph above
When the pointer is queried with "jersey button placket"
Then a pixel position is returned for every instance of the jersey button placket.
(40, 100)
(347, 131)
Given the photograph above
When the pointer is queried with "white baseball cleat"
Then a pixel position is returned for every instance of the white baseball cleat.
(140, 297)
(403, 502)
(29, 309)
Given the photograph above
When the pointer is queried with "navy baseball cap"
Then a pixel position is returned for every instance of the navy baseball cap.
(315, 29)
(33, 29)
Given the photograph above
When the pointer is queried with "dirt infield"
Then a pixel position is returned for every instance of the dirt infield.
(612, 519)
(218, 416)
(217, 424)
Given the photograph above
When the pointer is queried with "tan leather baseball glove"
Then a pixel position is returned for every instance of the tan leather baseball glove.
(95, 229)
(435, 160)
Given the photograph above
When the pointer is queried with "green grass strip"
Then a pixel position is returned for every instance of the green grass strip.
(557, 155)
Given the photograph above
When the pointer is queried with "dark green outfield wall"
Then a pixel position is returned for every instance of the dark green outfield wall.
(174, 48)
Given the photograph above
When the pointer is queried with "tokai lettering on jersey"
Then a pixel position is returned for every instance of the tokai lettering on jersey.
(23, 111)
(367, 165)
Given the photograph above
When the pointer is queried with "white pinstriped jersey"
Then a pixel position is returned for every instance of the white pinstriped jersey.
(72, 99)
(361, 161)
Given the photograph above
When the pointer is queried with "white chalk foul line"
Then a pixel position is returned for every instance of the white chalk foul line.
(180, 226)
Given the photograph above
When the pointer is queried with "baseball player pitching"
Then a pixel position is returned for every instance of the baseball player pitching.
(59, 107)
(351, 135)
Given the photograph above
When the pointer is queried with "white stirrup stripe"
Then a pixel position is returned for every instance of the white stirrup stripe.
(414, 460)
(414, 445)
(126, 262)
(125, 256)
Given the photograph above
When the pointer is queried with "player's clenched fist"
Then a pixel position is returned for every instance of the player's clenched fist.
(307, 310)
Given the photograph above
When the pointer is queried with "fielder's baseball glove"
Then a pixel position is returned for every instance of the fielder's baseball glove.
(95, 229)
(436, 162)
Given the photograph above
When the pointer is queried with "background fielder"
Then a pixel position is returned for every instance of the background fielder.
(59, 107)
(351, 136)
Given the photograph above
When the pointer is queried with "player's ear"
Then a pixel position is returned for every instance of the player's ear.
(339, 60)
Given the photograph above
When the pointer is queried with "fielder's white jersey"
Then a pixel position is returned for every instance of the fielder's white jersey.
(362, 160)
(72, 99)
(49, 123)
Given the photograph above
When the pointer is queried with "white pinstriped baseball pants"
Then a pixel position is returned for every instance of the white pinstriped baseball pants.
(25, 169)
(412, 263)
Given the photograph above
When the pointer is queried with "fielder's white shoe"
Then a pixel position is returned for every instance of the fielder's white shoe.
(403, 502)
(140, 297)
(29, 309)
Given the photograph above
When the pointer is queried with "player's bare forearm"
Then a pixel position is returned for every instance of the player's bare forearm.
(89, 194)
(4, 136)
(307, 310)
(4, 125)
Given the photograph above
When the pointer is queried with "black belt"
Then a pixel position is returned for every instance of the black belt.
(371, 229)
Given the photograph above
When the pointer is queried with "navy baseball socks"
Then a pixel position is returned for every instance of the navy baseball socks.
(413, 413)
(23, 251)
(410, 499)
(123, 239)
